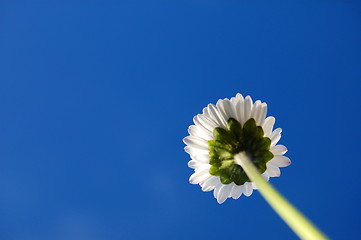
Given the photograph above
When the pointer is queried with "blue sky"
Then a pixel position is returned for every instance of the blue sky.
(96, 97)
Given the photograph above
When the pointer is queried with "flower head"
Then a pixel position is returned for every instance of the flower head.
(224, 130)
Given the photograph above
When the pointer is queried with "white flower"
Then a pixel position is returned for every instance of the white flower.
(212, 147)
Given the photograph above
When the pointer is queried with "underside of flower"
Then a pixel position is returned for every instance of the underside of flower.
(231, 127)
(227, 143)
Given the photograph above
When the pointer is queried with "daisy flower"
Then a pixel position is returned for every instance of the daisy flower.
(234, 150)
(233, 127)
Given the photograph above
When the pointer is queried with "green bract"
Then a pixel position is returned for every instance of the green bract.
(236, 139)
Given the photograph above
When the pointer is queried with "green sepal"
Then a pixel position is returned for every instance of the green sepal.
(225, 178)
(214, 171)
(233, 173)
(214, 160)
(262, 156)
(235, 128)
(223, 136)
(223, 151)
(250, 126)
(249, 133)
(261, 144)
(261, 167)
(218, 146)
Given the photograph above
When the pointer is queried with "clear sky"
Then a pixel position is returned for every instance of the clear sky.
(96, 97)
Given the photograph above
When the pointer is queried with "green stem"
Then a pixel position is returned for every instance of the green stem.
(295, 219)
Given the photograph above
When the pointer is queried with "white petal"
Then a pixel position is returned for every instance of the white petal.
(273, 171)
(196, 142)
(224, 193)
(192, 164)
(194, 151)
(205, 112)
(207, 131)
(192, 130)
(275, 136)
(248, 189)
(239, 109)
(196, 131)
(198, 165)
(202, 158)
(218, 118)
(237, 98)
(216, 189)
(221, 110)
(256, 110)
(262, 114)
(199, 176)
(210, 183)
(268, 126)
(247, 107)
(206, 122)
(236, 191)
(233, 100)
(228, 109)
(280, 161)
(278, 150)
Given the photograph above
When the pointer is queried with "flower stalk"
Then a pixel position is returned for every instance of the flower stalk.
(295, 219)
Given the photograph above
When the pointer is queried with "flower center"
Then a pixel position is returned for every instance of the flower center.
(236, 139)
